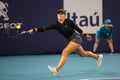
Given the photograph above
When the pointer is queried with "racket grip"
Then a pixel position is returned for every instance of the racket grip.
(24, 32)
(27, 32)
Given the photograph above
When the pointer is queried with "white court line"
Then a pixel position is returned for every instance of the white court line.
(101, 79)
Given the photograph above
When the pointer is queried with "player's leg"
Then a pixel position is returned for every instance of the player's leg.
(80, 51)
(110, 43)
(71, 47)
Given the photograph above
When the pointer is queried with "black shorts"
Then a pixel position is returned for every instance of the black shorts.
(75, 38)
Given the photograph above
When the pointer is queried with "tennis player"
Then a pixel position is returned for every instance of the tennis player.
(105, 31)
(67, 28)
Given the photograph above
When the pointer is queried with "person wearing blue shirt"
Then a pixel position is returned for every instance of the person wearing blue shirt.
(105, 31)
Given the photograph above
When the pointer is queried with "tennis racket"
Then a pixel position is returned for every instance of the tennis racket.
(12, 33)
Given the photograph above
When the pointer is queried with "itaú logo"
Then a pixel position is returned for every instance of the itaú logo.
(85, 21)
(3, 11)
(89, 23)
(4, 17)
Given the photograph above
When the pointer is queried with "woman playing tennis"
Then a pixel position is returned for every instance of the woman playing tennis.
(67, 28)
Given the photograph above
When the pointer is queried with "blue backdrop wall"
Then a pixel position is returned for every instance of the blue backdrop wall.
(37, 13)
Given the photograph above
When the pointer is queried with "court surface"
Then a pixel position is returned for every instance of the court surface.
(34, 67)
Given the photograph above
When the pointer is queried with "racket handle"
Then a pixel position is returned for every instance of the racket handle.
(24, 32)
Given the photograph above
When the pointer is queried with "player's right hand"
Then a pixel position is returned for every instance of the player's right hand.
(30, 31)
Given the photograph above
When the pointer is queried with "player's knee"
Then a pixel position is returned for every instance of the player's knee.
(64, 53)
(83, 54)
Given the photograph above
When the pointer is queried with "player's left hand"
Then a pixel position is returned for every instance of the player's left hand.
(89, 38)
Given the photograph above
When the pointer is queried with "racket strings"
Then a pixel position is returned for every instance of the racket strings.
(11, 33)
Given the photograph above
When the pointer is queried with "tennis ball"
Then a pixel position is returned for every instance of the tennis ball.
(18, 27)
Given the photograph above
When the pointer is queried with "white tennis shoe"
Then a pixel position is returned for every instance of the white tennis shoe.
(99, 61)
(52, 70)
